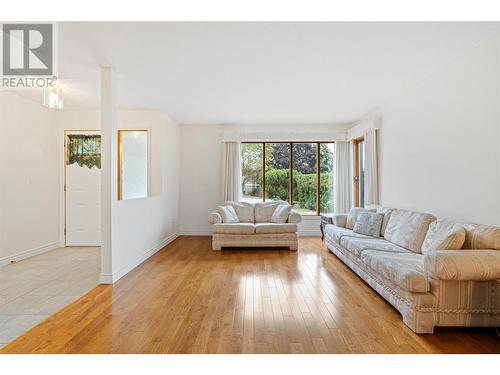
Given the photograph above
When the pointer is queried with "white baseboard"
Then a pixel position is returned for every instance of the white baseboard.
(29, 253)
(195, 233)
(309, 233)
(106, 278)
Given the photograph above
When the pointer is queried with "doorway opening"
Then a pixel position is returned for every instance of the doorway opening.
(36, 287)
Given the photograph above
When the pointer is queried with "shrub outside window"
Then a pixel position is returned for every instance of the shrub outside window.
(300, 173)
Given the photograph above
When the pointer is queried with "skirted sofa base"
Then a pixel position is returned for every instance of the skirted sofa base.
(421, 312)
(255, 240)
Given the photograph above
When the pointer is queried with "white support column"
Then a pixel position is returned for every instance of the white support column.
(108, 171)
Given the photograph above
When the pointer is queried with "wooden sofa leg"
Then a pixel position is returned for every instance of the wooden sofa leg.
(293, 247)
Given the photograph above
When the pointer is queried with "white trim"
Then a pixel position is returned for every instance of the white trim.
(194, 233)
(29, 253)
(106, 278)
(62, 195)
(311, 217)
(109, 126)
(309, 233)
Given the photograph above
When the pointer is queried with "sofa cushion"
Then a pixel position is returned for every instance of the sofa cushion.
(368, 223)
(228, 214)
(480, 236)
(403, 269)
(294, 217)
(443, 235)
(335, 234)
(261, 228)
(264, 211)
(244, 210)
(280, 214)
(408, 229)
(353, 215)
(357, 245)
(386, 211)
(234, 228)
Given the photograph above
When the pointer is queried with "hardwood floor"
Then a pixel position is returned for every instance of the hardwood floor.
(189, 299)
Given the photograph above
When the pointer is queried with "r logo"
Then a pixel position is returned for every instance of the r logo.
(28, 49)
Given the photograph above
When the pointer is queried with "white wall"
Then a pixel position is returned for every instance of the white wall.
(439, 142)
(32, 180)
(143, 226)
(140, 226)
(29, 178)
(201, 166)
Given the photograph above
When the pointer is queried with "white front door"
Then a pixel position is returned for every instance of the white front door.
(83, 188)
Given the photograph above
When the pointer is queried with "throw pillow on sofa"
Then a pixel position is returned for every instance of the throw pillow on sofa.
(353, 215)
(369, 223)
(228, 214)
(443, 236)
(244, 211)
(280, 214)
(386, 211)
(264, 211)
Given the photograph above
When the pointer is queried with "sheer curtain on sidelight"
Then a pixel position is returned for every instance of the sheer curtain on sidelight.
(231, 171)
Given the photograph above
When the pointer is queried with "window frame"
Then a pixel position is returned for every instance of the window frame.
(290, 180)
(356, 176)
(119, 162)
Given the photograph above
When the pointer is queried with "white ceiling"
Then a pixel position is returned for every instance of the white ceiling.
(272, 73)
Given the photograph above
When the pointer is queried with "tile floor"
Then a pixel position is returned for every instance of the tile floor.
(37, 287)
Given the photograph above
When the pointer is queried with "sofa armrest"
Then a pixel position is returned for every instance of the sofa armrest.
(463, 264)
(214, 218)
(340, 220)
(294, 217)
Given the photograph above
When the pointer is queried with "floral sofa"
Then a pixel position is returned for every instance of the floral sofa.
(429, 287)
(255, 225)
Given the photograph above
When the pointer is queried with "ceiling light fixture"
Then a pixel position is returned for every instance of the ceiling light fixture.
(53, 97)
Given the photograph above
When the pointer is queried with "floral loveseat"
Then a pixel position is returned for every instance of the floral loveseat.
(429, 287)
(263, 224)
